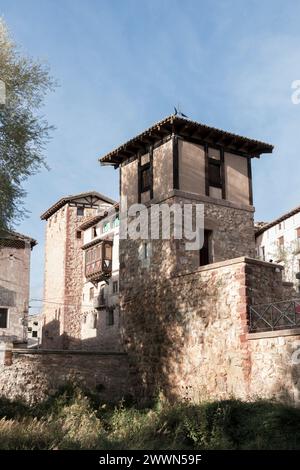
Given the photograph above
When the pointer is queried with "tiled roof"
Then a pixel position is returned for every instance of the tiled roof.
(66, 199)
(185, 128)
(277, 221)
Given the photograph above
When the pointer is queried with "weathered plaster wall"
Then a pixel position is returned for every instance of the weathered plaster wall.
(63, 279)
(129, 182)
(236, 179)
(191, 167)
(14, 289)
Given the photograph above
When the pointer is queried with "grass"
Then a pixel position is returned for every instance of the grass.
(74, 420)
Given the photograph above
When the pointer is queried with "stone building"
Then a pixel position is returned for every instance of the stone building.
(34, 330)
(15, 251)
(100, 324)
(64, 274)
(279, 241)
(185, 314)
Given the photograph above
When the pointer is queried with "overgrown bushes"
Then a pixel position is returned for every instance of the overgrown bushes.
(74, 420)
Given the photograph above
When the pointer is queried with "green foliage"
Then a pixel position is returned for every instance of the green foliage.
(74, 419)
(23, 132)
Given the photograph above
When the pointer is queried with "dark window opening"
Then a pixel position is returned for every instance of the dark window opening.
(110, 317)
(34, 334)
(146, 250)
(205, 252)
(94, 232)
(3, 317)
(78, 234)
(145, 178)
(214, 173)
(91, 293)
(115, 287)
(95, 321)
(80, 211)
(102, 296)
(281, 241)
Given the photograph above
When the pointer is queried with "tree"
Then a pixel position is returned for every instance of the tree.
(23, 132)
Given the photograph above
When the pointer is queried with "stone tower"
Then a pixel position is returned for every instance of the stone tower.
(63, 274)
(179, 161)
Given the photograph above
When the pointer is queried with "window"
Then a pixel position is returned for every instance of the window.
(78, 234)
(95, 321)
(102, 296)
(110, 317)
(214, 173)
(106, 227)
(94, 232)
(91, 293)
(3, 317)
(34, 334)
(262, 253)
(298, 232)
(280, 241)
(145, 178)
(115, 287)
(205, 255)
(116, 221)
(146, 250)
(80, 211)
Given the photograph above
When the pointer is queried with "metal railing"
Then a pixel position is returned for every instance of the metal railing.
(274, 316)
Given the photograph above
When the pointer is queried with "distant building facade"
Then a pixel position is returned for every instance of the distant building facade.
(64, 273)
(100, 327)
(279, 242)
(15, 252)
(34, 330)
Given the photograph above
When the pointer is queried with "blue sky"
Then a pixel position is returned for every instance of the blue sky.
(122, 65)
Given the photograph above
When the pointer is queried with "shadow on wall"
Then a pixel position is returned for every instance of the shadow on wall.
(168, 327)
(53, 339)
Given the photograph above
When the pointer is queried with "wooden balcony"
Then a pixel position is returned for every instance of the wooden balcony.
(98, 261)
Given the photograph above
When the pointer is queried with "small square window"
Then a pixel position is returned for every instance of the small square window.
(80, 211)
(34, 334)
(3, 317)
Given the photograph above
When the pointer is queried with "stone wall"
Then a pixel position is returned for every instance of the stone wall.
(34, 375)
(232, 236)
(275, 365)
(188, 336)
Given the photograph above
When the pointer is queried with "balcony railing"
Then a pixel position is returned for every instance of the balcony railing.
(98, 261)
(274, 316)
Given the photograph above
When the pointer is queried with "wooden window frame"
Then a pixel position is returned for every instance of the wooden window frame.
(6, 319)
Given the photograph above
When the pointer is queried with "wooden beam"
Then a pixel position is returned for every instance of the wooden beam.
(222, 159)
(139, 179)
(250, 182)
(206, 170)
(175, 162)
(151, 171)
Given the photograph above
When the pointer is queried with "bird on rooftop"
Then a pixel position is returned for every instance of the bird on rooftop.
(176, 111)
